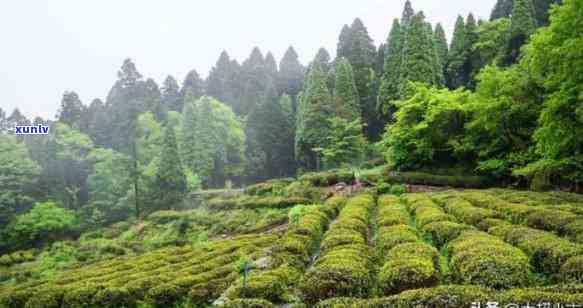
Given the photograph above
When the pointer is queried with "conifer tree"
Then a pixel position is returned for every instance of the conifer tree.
(440, 42)
(389, 89)
(71, 110)
(322, 59)
(291, 75)
(315, 109)
(438, 77)
(170, 178)
(502, 9)
(220, 82)
(192, 86)
(357, 47)
(456, 57)
(270, 67)
(171, 97)
(418, 53)
(522, 25)
(345, 93)
(408, 14)
(470, 39)
(255, 75)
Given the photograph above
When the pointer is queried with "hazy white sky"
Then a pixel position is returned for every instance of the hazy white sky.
(51, 46)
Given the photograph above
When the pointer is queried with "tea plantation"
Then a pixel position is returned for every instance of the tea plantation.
(361, 248)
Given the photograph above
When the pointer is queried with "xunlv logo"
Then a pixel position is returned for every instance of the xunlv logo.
(31, 130)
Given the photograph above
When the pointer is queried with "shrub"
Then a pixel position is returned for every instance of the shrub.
(451, 296)
(479, 258)
(329, 178)
(303, 190)
(390, 237)
(547, 252)
(441, 232)
(467, 213)
(551, 220)
(340, 302)
(572, 270)
(427, 214)
(46, 298)
(346, 237)
(342, 272)
(248, 303)
(164, 217)
(398, 189)
(405, 274)
(525, 296)
(44, 220)
(420, 178)
(271, 187)
(270, 285)
(575, 231)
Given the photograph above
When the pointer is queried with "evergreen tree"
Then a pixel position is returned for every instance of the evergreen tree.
(96, 116)
(456, 57)
(380, 60)
(522, 25)
(71, 110)
(171, 97)
(315, 109)
(268, 139)
(470, 39)
(255, 75)
(220, 82)
(153, 100)
(358, 48)
(502, 9)
(440, 42)
(270, 67)
(344, 42)
(192, 86)
(322, 59)
(408, 14)
(389, 89)
(290, 78)
(345, 93)
(418, 53)
(16, 118)
(170, 178)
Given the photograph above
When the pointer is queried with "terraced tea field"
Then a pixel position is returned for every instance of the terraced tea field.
(442, 249)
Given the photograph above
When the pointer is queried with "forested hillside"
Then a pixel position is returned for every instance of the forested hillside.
(326, 183)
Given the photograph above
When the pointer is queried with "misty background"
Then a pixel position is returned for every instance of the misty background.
(49, 47)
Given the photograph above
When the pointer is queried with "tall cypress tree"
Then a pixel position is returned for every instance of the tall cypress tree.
(418, 53)
(408, 13)
(389, 89)
(170, 178)
(171, 97)
(322, 60)
(440, 42)
(502, 9)
(290, 78)
(456, 57)
(470, 39)
(192, 86)
(71, 110)
(255, 75)
(270, 67)
(315, 109)
(522, 25)
(221, 79)
(357, 47)
(345, 92)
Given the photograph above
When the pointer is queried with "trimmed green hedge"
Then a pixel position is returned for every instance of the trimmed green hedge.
(409, 266)
(442, 232)
(389, 237)
(161, 277)
(248, 303)
(343, 270)
(465, 212)
(421, 178)
(268, 188)
(391, 212)
(329, 178)
(547, 251)
(255, 202)
(479, 258)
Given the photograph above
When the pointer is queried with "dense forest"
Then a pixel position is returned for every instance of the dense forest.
(499, 103)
